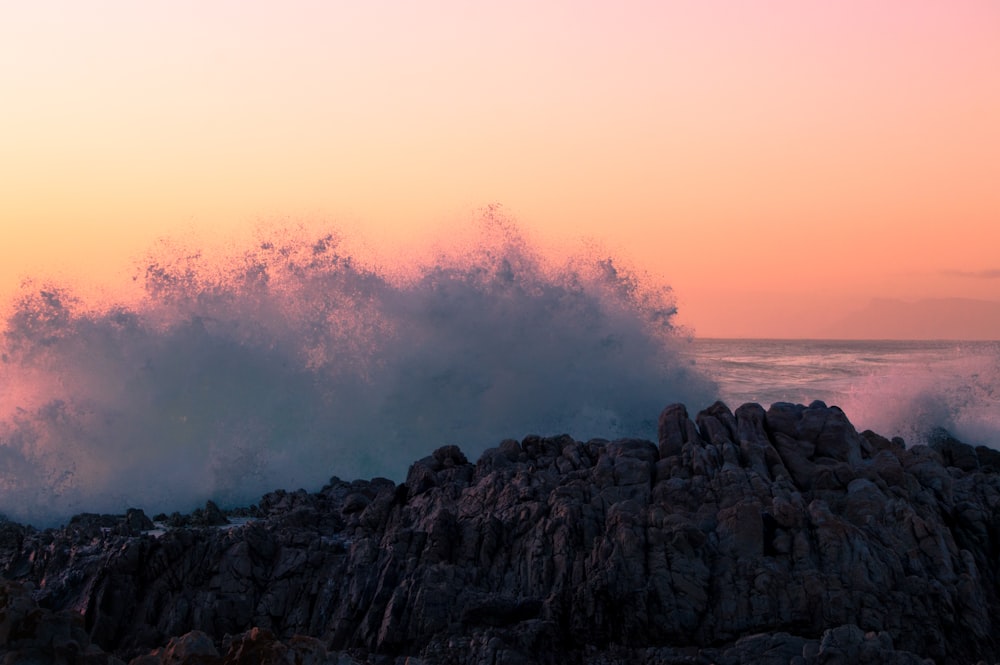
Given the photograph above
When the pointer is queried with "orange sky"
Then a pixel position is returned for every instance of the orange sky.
(777, 167)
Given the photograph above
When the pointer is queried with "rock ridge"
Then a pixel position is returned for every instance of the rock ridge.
(756, 536)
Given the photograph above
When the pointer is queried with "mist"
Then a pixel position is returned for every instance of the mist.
(291, 360)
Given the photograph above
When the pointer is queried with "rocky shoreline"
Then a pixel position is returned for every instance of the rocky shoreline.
(777, 536)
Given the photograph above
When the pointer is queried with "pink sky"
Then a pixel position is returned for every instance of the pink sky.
(779, 167)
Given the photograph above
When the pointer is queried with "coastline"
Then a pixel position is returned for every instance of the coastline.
(782, 531)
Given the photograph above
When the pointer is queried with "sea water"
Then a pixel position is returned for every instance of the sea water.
(893, 387)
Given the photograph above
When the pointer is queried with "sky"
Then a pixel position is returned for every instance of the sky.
(778, 163)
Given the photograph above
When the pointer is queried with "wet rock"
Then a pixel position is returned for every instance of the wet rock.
(777, 536)
(210, 515)
(193, 648)
(33, 634)
(953, 452)
(136, 521)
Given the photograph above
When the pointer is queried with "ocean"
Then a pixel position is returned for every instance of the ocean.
(893, 387)
(292, 360)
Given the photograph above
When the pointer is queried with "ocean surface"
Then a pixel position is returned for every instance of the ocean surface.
(291, 360)
(896, 388)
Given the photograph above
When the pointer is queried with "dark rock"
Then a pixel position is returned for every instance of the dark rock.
(778, 536)
(136, 521)
(952, 451)
(675, 429)
(210, 515)
(989, 459)
(193, 648)
(33, 634)
(450, 456)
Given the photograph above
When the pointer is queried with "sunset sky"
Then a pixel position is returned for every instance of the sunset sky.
(778, 163)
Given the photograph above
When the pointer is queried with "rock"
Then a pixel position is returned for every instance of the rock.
(449, 457)
(825, 430)
(777, 536)
(675, 429)
(33, 634)
(136, 521)
(210, 515)
(954, 452)
(193, 648)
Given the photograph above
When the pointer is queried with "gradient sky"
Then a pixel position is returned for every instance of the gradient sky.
(779, 163)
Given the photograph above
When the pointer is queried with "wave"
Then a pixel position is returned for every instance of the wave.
(906, 388)
(291, 360)
(954, 388)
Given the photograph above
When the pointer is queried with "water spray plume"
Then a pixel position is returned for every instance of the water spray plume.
(291, 360)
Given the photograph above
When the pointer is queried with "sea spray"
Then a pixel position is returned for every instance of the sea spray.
(950, 385)
(292, 360)
(900, 388)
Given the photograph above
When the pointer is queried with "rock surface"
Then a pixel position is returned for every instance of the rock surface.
(778, 536)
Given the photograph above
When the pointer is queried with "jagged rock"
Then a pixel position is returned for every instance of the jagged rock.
(210, 515)
(954, 452)
(777, 536)
(193, 648)
(254, 647)
(989, 459)
(136, 521)
(32, 634)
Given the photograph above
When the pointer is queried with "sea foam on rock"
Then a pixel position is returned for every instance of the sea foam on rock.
(775, 536)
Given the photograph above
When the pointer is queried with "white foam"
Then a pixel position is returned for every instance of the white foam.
(291, 361)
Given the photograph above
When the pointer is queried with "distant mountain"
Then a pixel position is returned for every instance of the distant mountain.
(931, 318)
